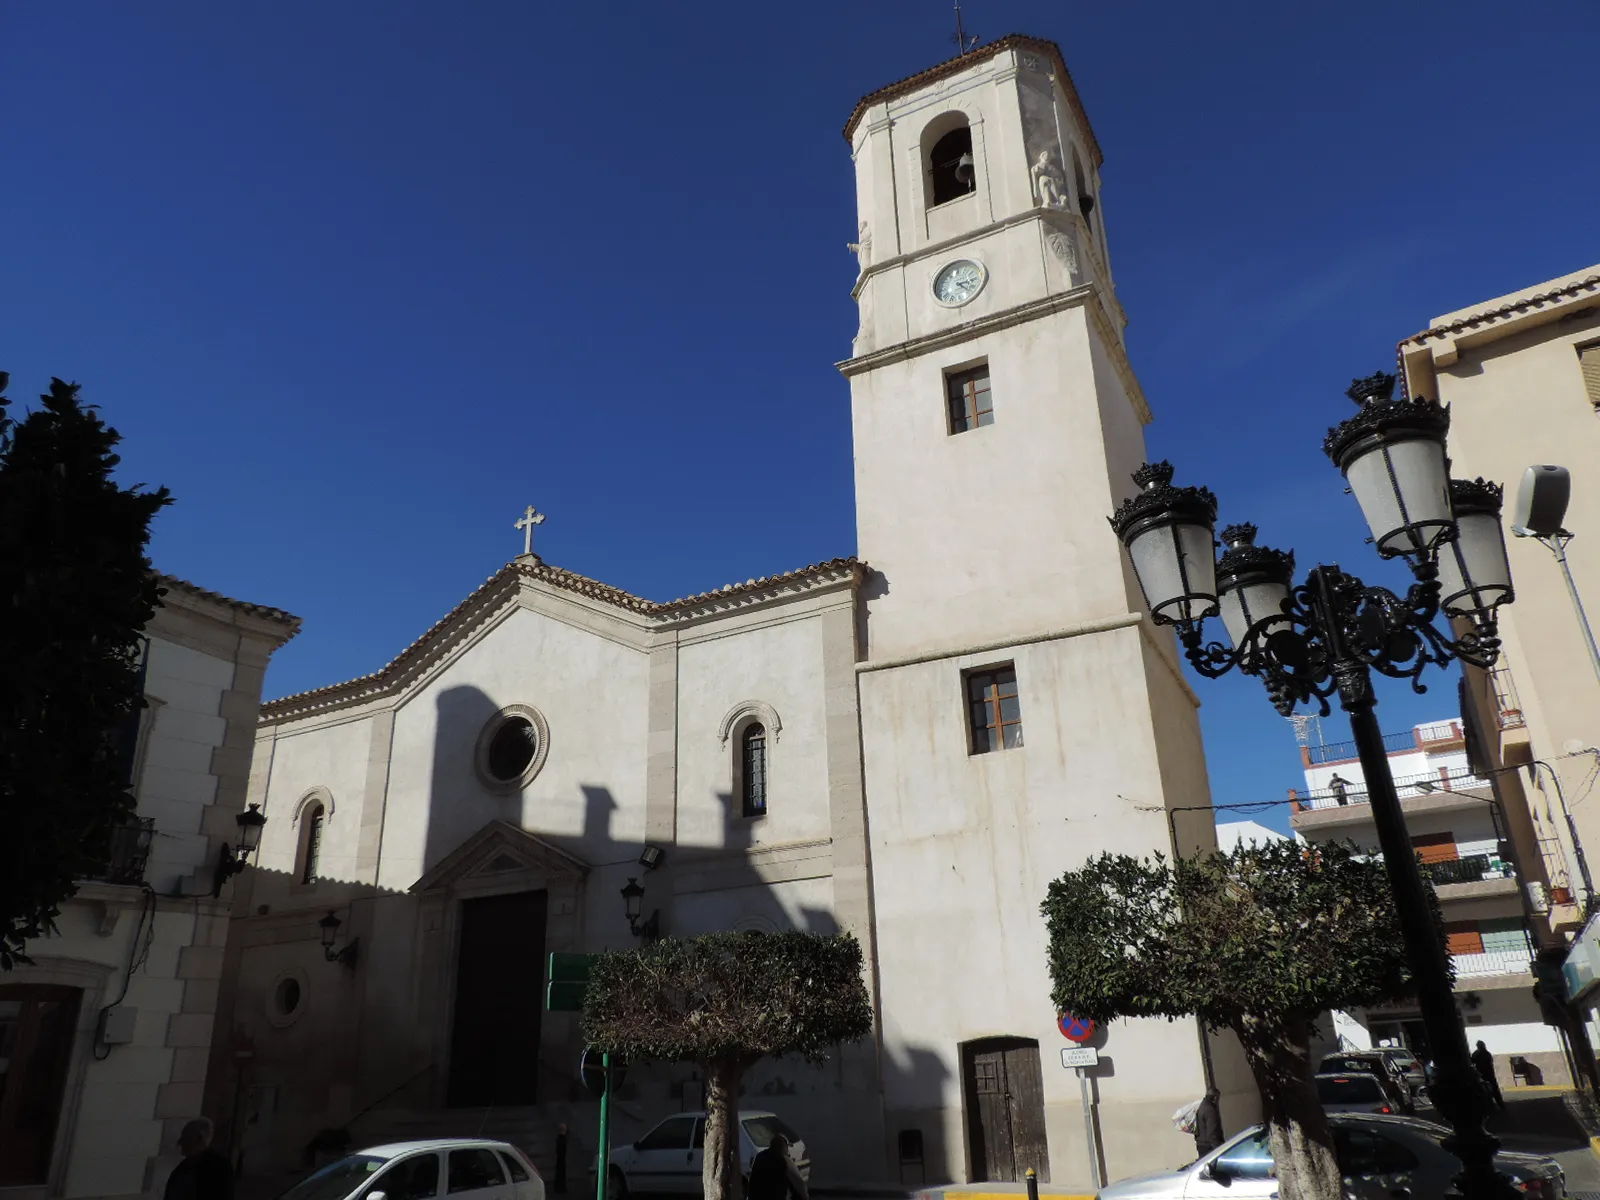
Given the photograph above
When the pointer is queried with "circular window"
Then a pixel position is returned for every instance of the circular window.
(286, 1001)
(286, 996)
(512, 748)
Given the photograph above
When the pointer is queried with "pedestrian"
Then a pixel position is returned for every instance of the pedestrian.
(558, 1185)
(1208, 1124)
(1483, 1061)
(773, 1175)
(203, 1174)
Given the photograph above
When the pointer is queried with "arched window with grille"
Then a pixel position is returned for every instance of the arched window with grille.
(312, 819)
(753, 770)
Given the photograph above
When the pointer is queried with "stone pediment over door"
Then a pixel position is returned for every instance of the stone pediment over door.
(502, 858)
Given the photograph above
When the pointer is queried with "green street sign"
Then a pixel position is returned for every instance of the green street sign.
(569, 980)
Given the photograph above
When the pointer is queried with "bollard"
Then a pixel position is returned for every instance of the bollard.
(1033, 1184)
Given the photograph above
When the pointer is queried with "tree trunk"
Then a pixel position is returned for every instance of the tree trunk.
(1279, 1054)
(719, 1171)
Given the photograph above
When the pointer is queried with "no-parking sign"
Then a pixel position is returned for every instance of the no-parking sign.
(1075, 1029)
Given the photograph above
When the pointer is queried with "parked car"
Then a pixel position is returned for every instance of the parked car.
(1380, 1157)
(1411, 1067)
(1373, 1062)
(1353, 1093)
(669, 1158)
(470, 1168)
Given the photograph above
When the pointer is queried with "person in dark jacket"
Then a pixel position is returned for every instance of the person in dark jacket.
(203, 1174)
(773, 1175)
(1483, 1062)
(1208, 1124)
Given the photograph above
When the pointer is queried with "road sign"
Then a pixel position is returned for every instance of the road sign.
(569, 980)
(1075, 1029)
(1080, 1056)
(594, 1075)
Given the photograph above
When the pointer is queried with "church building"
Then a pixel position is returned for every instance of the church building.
(907, 744)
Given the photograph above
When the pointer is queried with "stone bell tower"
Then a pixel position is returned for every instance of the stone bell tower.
(1019, 714)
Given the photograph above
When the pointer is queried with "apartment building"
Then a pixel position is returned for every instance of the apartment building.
(1472, 852)
(1521, 374)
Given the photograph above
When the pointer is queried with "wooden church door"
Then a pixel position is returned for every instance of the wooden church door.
(494, 1046)
(1004, 1087)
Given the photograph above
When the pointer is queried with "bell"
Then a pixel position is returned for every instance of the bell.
(964, 170)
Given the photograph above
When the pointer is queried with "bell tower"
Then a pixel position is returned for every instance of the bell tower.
(994, 407)
(1019, 714)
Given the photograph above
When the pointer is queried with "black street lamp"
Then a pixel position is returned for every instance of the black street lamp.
(329, 927)
(1330, 633)
(633, 907)
(232, 860)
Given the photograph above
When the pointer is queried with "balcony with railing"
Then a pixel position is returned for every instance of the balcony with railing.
(129, 851)
(1472, 868)
(1438, 785)
(1332, 752)
(1492, 962)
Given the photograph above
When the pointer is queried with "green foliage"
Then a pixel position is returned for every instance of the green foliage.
(1261, 932)
(75, 590)
(729, 996)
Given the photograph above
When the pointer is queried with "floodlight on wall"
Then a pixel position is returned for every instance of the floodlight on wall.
(651, 857)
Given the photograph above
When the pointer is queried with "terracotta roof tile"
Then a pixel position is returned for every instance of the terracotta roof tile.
(1590, 283)
(488, 598)
(173, 583)
(961, 62)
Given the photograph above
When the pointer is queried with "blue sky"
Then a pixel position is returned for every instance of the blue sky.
(358, 281)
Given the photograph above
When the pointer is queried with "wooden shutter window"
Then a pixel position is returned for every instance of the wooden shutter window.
(1589, 364)
(1462, 937)
(1436, 847)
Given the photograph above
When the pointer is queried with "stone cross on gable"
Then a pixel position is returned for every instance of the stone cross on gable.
(529, 519)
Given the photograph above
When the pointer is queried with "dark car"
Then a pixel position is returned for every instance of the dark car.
(1372, 1062)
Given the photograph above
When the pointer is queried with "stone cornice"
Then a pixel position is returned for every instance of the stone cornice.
(273, 624)
(1088, 296)
(1442, 344)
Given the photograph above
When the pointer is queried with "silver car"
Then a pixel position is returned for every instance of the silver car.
(1380, 1157)
(468, 1169)
(1353, 1092)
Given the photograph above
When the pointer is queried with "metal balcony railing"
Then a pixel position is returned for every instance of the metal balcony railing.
(1493, 962)
(1508, 708)
(1427, 783)
(1394, 743)
(130, 850)
(1470, 869)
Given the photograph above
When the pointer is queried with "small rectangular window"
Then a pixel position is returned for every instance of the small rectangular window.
(994, 710)
(968, 395)
(1589, 364)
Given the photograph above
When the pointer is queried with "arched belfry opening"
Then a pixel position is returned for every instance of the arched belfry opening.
(1085, 196)
(952, 172)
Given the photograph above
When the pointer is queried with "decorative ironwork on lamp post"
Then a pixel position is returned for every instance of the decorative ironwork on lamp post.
(1327, 635)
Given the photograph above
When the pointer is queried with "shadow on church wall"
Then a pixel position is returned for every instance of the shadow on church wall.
(304, 1045)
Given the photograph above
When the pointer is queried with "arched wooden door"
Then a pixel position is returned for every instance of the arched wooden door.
(36, 1028)
(1003, 1087)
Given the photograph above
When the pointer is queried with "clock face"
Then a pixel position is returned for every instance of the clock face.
(959, 282)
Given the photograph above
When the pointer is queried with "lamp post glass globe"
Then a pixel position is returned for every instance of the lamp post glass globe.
(1392, 455)
(1168, 532)
(1252, 584)
(250, 822)
(1474, 572)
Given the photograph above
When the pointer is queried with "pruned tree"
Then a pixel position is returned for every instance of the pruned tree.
(724, 1001)
(76, 590)
(1260, 940)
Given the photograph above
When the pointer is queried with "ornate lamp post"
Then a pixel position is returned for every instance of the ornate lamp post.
(1331, 632)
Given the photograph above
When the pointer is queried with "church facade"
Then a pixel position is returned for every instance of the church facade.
(907, 745)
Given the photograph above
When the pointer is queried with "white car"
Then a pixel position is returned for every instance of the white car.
(669, 1159)
(462, 1168)
(1380, 1157)
(1353, 1093)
